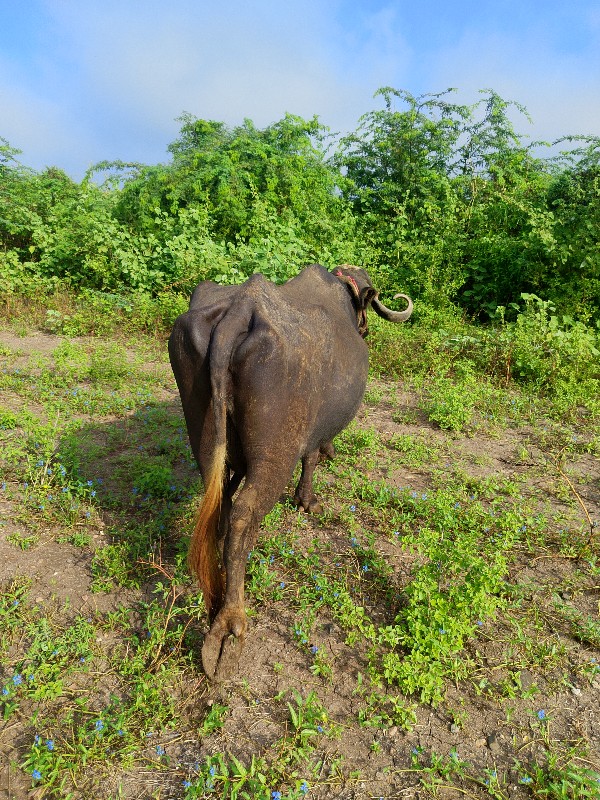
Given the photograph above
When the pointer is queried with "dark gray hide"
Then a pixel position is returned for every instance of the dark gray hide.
(268, 375)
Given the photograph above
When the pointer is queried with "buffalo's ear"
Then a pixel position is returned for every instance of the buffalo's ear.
(366, 296)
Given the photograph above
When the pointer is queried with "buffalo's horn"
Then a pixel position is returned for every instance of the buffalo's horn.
(393, 316)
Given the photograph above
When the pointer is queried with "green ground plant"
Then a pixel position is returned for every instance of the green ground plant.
(410, 579)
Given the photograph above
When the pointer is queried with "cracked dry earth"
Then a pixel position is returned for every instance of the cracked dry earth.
(489, 728)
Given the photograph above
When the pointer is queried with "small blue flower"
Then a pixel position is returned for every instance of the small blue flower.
(160, 750)
(526, 779)
(352, 508)
(99, 725)
(282, 585)
(5, 691)
(319, 729)
(314, 649)
(17, 680)
(90, 483)
(212, 771)
(186, 784)
(304, 787)
(541, 714)
(50, 744)
(276, 795)
(442, 631)
(36, 775)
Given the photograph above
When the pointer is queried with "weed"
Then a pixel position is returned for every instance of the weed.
(449, 405)
(415, 450)
(417, 588)
(584, 627)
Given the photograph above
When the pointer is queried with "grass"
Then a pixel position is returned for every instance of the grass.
(439, 598)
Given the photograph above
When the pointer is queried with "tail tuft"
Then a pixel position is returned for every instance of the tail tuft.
(203, 556)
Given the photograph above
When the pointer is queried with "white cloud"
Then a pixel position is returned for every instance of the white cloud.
(560, 91)
(111, 78)
(37, 126)
(254, 60)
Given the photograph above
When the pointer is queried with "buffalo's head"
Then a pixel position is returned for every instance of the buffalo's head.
(364, 294)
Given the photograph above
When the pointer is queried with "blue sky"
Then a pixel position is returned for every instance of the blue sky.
(82, 81)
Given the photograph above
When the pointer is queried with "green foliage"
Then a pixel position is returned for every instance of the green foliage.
(550, 350)
(445, 200)
(572, 282)
(557, 780)
(451, 593)
(398, 184)
(449, 404)
(407, 587)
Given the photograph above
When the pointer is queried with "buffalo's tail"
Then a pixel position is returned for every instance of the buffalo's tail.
(203, 555)
(203, 558)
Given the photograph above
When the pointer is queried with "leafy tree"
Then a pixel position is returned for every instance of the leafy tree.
(573, 279)
(508, 228)
(398, 177)
(444, 200)
(228, 169)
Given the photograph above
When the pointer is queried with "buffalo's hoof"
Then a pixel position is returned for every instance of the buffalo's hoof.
(310, 505)
(223, 645)
(327, 452)
(221, 657)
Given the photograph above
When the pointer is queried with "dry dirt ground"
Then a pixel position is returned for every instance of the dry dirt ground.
(366, 762)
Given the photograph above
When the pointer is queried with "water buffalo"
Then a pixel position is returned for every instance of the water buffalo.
(268, 375)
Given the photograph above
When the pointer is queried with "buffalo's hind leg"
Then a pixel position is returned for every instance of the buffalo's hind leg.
(304, 496)
(230, 487)
(224, 642)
